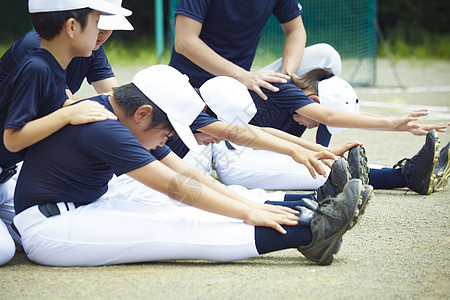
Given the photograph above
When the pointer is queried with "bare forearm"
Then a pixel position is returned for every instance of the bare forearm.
(34, 131)
(294, 139)
(294, 45)
(189, 191)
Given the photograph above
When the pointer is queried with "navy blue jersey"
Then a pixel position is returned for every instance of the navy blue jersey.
(76, 163)
(34, 89)
(94, 68)
(177, 145)
(277, 110)
(232, 28)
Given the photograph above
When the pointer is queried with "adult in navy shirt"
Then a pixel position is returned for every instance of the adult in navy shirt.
(220, 37)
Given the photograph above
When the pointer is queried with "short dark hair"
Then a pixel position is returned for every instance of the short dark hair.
(130, 98)
(311, 79)
(49, 24)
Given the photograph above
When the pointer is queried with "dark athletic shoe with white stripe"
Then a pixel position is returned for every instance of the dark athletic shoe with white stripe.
(419, 170)
(357, 161)
(333, 218)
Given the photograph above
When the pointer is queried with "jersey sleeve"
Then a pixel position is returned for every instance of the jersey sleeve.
(287, 10)
(112, 143)
(202, 120)
(195, 9)
(100, 68)
(160, 152)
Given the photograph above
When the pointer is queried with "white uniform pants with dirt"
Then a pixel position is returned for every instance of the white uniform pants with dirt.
(262, 169)
(113, 231)
(314, 56)
(7, 246)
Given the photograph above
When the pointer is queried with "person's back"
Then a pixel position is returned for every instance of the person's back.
(83, 159)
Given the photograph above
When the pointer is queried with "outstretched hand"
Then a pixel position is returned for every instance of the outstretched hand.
(261, 79)
(312, 161)
(417, 129)
(340, 150)
(88, 111)
(260, 217)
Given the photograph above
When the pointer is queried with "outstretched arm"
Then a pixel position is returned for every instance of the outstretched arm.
(38, 129)
(188, 43)
(252, 136)
(339, 118)
(191, 192)
(174, 162)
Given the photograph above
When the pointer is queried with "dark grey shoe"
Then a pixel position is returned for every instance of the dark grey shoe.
(357, 161)
(442, 170)
(338, 178)
(333, 218)
(419, 170)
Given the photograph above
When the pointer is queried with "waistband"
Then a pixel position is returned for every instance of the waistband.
(39, 213)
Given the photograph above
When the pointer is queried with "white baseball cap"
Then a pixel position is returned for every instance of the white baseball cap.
(172, 92)
(114, 22)
(229, 99)
(336, 93)
(37, 6)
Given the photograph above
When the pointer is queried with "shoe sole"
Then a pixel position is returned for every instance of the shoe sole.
(440, 180)
(433, 177)
(327, 257)
(365, 196)
(358, 166)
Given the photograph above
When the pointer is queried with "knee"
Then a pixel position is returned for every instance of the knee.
(7, 249)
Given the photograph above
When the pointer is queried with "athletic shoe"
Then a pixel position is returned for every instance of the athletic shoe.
(357, 161)
(442, 170)
(419, 170)
(338, 178)
(333, 218)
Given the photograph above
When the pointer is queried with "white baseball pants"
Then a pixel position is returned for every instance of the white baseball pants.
(114, 231)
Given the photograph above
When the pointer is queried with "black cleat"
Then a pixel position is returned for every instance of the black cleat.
(357, 161)
(333, 218)
(338, 178)
(442, 170)
(419, 170)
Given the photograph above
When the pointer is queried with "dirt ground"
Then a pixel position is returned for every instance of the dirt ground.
(399, 250)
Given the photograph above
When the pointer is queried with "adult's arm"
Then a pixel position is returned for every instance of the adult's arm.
(188, 43)
(294, 45)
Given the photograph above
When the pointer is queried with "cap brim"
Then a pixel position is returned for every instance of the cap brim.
(186, 135)
(109, 8)
(114, 22)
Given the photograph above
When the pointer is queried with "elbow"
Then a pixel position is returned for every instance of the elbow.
(12, 148)
(181, 45)
(9, 143)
